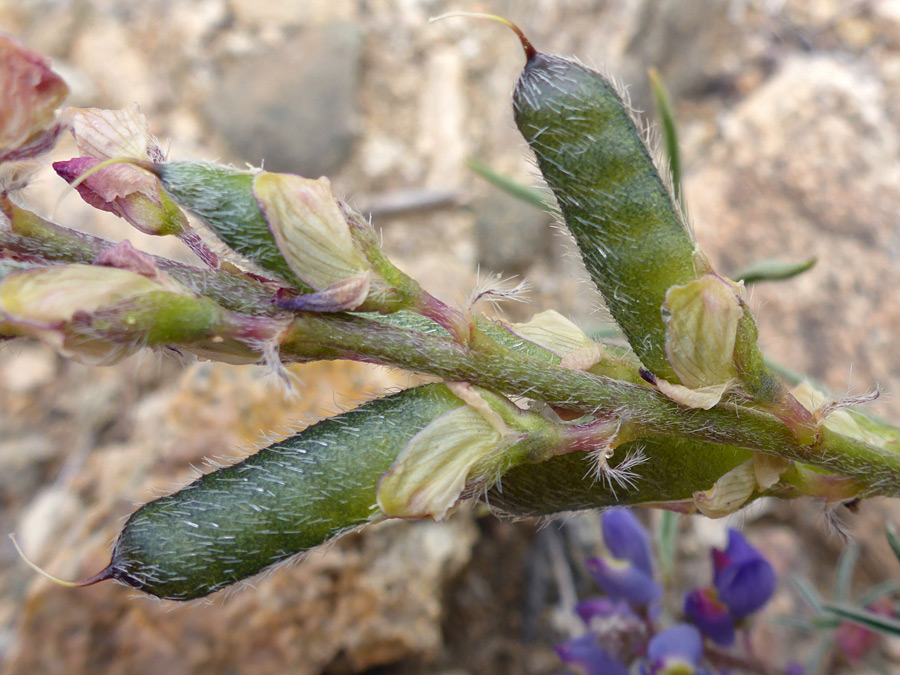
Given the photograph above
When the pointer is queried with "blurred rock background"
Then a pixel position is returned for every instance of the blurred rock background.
(788, 112)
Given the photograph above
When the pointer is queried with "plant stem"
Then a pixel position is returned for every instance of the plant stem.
(483, 361)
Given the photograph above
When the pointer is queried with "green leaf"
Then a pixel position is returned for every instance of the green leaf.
(890, 532)
(863, 617)
(669, 131)
(773, 270)
(845, 568)
(878, 591)
(526, 193)
(667, 541)
(808, 593)
(796, 623)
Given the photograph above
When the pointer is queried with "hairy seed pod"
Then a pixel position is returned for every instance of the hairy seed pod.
(222, 197)
(631, 235)
(233, 523)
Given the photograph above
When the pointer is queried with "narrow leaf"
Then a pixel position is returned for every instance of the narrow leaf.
(878, 591)
(890, 531)
(667, 541)
(808, 593)
(669, 130)
(845, 568)
(512, 187)
(863, 617)
(773, 270)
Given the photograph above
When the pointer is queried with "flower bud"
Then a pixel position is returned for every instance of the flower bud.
(31, 94)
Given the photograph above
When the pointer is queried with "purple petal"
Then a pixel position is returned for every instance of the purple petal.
(746, 587)
(704, 609)
(738, 550)
(743, 578)
(621, 580)
(626, 538)
(588, 655)
(680, 640)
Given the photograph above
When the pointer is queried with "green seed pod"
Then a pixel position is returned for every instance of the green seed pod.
(223, 199)
(674, 470)
(632, 237)
(233, 523)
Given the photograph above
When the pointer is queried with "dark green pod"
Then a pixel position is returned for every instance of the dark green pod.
(222, 197)
(294, 495)
(676, 468)
(631, 235)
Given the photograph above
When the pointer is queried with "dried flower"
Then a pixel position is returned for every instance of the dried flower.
(127, 191)
(32, 93)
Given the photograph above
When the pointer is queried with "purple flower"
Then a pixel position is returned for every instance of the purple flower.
(603, 608)
(616, 627)
(703, 607)
(743, 582)
(587, 654)
(743, 578)
(626, 538)
(677, 650)
(622, 580)
(627, 574)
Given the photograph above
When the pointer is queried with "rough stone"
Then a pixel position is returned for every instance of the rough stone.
(292, 108)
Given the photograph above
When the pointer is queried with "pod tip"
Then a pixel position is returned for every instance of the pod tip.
(530, 51)
(102, 575)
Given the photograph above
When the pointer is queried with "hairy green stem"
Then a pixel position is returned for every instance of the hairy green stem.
(490, 364)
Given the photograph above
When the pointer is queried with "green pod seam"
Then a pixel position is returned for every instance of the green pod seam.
(292, 496)
(631, 235)
(222, 197)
